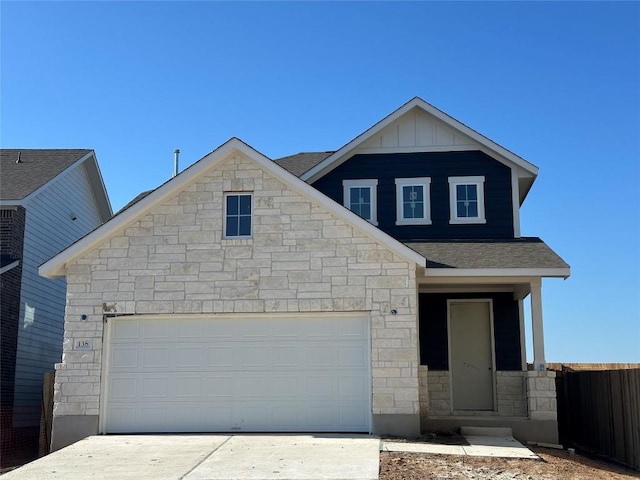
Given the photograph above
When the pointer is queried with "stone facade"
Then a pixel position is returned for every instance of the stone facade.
(301, 258)
(512, 394)
(541, 395)
(439, 388)
(510, 388)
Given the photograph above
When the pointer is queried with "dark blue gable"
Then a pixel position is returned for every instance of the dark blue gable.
(439, 166)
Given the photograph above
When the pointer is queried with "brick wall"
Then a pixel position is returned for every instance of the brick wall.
(12, 221)
(301, 258)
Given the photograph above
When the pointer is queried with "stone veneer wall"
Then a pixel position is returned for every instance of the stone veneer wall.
(435, 396)
(439, 393)
(423, 385)
(301, 258)
(512, 394)
(541, 393)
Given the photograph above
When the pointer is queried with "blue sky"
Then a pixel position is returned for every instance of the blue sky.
(556, 83)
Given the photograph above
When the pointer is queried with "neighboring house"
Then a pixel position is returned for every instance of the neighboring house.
(48, 200)
(242, 295)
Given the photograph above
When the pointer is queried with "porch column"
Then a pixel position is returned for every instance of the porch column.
(536, 323)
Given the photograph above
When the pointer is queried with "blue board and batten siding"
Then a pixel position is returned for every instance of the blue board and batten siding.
(434, 345)
(48, 230)
(439, 166)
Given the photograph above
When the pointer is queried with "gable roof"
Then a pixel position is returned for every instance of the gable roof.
(24, 171)
(526, 170)
(55, 267)
(301, 162)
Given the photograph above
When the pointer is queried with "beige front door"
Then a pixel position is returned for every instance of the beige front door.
(471, 355)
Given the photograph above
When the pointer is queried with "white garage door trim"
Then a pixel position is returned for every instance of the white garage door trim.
(274, 330)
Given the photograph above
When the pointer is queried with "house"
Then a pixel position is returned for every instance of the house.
(378, 288)
(48, 200)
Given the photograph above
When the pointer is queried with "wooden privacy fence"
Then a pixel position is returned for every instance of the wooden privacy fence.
(599, 412)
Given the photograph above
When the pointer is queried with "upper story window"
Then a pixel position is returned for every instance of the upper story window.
(360, 196)
(237, 215)
(413, 206)
(466, 200)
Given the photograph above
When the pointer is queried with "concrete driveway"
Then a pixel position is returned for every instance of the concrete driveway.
(214, 457)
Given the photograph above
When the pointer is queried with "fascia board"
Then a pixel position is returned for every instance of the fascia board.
(99, 188)
(55, 266)
(498, 272)
(493, 148)
(10, 203)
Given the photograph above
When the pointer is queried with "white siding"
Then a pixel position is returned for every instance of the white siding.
(418, 129)
(48, 230)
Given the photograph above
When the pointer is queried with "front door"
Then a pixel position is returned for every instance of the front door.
(471, 355)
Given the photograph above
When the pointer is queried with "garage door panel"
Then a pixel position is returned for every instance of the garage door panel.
(207, 375)
(220, 386)
(123, 358)
(189, 328)
(253, 356)
(153, 331)
(319, 386)
(190, 356)
(155, 357)
(353, 386)
(285, 386)
(219, 356)
(351, 356)
(123, 389)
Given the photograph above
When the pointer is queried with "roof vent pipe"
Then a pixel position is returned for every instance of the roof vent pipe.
(176, 154)
(19, 157)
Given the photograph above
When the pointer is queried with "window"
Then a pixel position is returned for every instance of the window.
(237, 215)
(466, 199)
(413, 206)
(360, 196)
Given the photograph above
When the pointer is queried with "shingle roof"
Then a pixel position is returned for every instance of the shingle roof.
(301, 162)
(36, 167)
(529, 252)
(139, 197)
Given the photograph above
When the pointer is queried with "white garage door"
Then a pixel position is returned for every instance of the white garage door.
(238, 374)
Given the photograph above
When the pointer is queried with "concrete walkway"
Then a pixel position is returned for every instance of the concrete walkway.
(212, 457)
(479, 446)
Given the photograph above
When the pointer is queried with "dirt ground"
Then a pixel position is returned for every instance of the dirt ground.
(554, 465)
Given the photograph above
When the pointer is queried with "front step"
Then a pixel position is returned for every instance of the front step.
(504, 432)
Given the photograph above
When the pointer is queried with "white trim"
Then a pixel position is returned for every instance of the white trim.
(503, 155)
(104, 377)
(523, 346)
(224, 217)
(478, 181)
(515, 202)
(500, 272)
(537, 325)
(464, 289)
(55, 267)
(372, 185)
(425, 183)
(492, 341)
(420, 149)
(9, 266)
